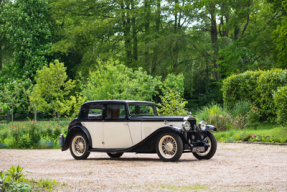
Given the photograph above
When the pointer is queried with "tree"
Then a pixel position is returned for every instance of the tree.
(172, 101)
(52, 88)
(27, 28)
(113, 80)
(11, 96)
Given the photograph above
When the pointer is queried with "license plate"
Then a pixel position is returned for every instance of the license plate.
(198, 149)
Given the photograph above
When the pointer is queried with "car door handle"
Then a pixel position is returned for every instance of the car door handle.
(125, 123)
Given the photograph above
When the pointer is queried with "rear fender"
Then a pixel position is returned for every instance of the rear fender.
(76, 128)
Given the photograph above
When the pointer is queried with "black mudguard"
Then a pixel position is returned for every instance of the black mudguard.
(78, 127)
(210, 127)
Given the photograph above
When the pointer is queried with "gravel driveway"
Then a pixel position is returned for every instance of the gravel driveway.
(235, 167)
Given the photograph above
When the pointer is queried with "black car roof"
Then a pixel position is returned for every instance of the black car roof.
(118, 101)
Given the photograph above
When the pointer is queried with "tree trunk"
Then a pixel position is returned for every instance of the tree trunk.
(213, 34)
(135, 40)
(127, 28)
(12, 115)
(225, 32)
(0, 57)
(147, 11)
(35, 115)
(157, 26)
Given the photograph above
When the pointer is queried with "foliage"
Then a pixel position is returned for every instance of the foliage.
(215, 115)
(240, 108)
(280, 102)
(27, 135)
(14, 96)
(268, 83)
(174, 83)
(253, 117)
(279, 34)
(51, 89)
(172, 104)
(113, 80)
(240, 87)
(75, 104)
(27, 28)
(12, 180)
(264, 133)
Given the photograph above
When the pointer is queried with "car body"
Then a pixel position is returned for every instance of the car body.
(119, 126)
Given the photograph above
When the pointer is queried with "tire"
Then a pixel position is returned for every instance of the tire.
(80, 151)
(169, 147)
(115, 155)
(210, 151)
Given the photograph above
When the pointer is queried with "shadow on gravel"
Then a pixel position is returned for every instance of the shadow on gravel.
(136, 159)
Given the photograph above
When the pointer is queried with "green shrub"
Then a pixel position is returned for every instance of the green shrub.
(215, 115)
(253, 117)
(34, 134)
(239, 113)
(11, 180)
(280, 102)
(240, 108)
(26, 135)
(240, 87)
(268, 83)
(24, 142)
(172, 104)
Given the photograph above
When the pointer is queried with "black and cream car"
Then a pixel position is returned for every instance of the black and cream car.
(116, 127)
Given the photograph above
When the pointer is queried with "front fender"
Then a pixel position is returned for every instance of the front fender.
(76, 128)
(210, 127)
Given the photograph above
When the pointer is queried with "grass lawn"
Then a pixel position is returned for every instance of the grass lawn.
(263, 133)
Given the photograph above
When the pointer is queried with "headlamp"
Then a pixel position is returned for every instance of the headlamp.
(186, 125)
(202, 124)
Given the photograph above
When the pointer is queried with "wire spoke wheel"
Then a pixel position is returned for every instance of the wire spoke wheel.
(207, 140)
(78, 147)
(209, 153)
(167, 146)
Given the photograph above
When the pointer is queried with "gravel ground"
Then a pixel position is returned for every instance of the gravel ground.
(235, 167)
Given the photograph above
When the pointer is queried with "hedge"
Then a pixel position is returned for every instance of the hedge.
(257, 87)
(268, 83)
(280, 102)
(240, 87)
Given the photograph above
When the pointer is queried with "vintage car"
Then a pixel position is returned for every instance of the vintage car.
(119, 126)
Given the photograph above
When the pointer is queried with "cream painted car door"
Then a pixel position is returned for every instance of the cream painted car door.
(116, 130)
(117, 135)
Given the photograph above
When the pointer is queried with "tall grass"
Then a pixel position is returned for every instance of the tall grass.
(215, 115)
(224, 119)
(32, 134)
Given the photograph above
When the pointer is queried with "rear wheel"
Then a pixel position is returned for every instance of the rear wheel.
(115, 155)
(79, 146)
(169, 147)
(208, 154)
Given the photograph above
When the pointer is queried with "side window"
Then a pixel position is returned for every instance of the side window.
(95, 112)
(115, 112)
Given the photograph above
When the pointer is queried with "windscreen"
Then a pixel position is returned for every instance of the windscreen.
(141, 110)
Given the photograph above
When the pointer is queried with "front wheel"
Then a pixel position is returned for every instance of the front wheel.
(169, 147)
(208, 154)
(79, 146)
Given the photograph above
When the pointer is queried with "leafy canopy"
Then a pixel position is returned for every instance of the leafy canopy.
(51, 89)
(113, 80)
